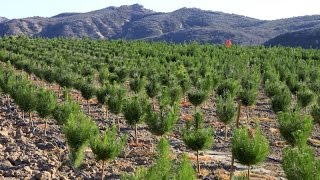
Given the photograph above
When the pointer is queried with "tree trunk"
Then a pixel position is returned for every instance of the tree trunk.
(88, 104)
(45, 127)
(107, 113)
(102, 173)
(238, 115)
(30, 117)
(249, 172)
(198, 164)
(118, 122)
(232, 166)
(153, 103)
(22, 115)
(247, 108)
(136, 133)
(225, 132)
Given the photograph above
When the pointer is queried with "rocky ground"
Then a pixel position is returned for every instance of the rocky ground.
(26, 153)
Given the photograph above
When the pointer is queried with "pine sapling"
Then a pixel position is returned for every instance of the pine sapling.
(78, 130)
(226, 111)
(249, 146)
(294, 128)
(198, 137)
(107, 147)
(46, 103)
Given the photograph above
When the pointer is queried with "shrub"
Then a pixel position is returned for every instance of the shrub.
(315, 113)
(281, 101)
(300, 163)
(107, 147)
(78, 130)
(197, 97)
(226, 111)
(249, 147)
(294, 128)
(197, 137)
(305, 97)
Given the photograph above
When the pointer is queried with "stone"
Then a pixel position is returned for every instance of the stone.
(28, 169)
(5, 164)
(45, 146)
(45, 175)
(4, 133)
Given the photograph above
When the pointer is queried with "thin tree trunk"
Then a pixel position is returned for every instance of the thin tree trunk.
(237, 125)
(198, 164)
(22, 115)
(153, 103)
(136, 133)
(238, 115)
(102, 173)
(88, 104)
(226, 132)
(184, 97)
(247, 108)
(107, 112)
(118, 122)
(249, 172)
(30, 117)
(45, 127)
(232, 166)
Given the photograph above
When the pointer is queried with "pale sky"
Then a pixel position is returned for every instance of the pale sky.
(266, 9)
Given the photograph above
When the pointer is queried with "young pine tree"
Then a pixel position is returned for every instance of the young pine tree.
(197, 97)
(116, 100)
(133, 111)
(294, 128)
(107, 147)
(300, 163)
(46, 103)
(197, 137)
(249, 147)
(78, 131)
(62, 112)
(305, 97)
(226, 111)
(281, 101)
(160, 123)
(87, 92)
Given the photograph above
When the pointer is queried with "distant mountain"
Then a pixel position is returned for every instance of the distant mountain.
(309, 38)
(3, 19)
(183, 25)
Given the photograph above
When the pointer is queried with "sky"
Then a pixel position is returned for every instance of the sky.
(260, 9)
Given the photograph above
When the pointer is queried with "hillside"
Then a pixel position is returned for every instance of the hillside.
(309, 38)
(183, 25)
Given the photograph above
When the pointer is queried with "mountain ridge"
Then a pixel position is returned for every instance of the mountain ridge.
(134, 22)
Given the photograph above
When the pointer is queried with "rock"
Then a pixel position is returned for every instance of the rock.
(43, 175)
(4, 133)
(5, 164)
(28, 169)
(45, 146)
(18, 133)
(128, 169)
(61, 177)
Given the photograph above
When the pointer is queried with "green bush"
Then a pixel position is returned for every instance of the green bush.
(197, 97)
(78, 130)
(281, 101)
(315, 113)
(305, 97)
(300, 163)
(197, 137)
(249, 147)
(226, 111)
(134, 110)
(294, 128)
(107, 147)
